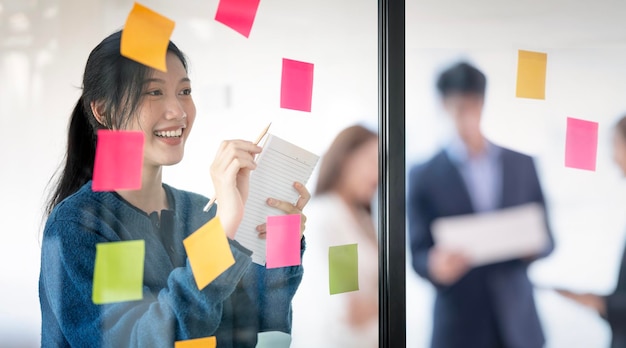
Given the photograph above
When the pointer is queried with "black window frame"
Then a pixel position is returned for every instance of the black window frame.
(392, 166)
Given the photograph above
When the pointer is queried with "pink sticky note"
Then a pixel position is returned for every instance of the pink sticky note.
(296, 88)
(283, 241)
(237, 14)
(119, 160)
(581, 144)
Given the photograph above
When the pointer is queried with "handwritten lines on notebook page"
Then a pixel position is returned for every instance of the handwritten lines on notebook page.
(279, 166)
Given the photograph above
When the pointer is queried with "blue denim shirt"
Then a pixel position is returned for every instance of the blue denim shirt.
(242, 301)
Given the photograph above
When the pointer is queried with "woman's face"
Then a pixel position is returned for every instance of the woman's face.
(360, 173)
(619, 150)
(166, 114)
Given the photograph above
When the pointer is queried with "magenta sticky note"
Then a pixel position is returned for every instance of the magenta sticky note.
(237, 14)
(119, 160)
(581, 144)
(282, 241)
(296, 88)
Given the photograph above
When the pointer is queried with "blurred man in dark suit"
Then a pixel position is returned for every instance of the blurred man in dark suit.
(489, 306)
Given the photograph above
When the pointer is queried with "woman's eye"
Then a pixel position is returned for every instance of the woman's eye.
(186, 91)
(154, 93)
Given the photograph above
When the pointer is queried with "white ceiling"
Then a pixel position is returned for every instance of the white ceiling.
(535, 23)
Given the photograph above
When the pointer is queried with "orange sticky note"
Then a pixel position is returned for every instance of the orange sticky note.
(206, 342)
(145, 37)
(208, 252)
(531, 74)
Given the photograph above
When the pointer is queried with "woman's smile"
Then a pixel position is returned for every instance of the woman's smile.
(171, 135)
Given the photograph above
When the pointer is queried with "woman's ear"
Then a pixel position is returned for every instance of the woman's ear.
(96, 110)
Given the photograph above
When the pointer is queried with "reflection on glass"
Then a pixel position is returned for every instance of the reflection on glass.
(534, 85)
(340, 216)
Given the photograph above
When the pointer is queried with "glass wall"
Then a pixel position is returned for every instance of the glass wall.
(584, 73)
(236, 83)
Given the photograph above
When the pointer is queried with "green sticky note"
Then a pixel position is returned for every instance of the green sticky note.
(118, 272)
(343, 268)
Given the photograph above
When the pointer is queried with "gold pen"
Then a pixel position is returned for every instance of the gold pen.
(258, 140)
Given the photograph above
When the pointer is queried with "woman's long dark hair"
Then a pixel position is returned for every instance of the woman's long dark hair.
(115, 85)
(345, 144)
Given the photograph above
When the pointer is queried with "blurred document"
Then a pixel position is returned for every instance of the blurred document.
(279, 165)
(494, 236)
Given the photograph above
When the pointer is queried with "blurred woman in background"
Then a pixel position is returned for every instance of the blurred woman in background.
(611, 307)
(340, 213)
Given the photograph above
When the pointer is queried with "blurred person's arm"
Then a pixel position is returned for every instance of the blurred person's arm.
(595, 302)
(440, 267)
(539, 198)
(611, 307)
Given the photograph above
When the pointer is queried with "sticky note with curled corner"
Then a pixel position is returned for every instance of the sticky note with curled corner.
(118, 272)
(146, 36)
(283, 241)
(208, 252)
(118, 161)
(531, 75)
(238, 15)
(343, 268)
(581, 144)
(296, 87)
(205, 342)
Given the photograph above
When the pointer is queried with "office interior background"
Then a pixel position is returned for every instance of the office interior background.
(44, 45)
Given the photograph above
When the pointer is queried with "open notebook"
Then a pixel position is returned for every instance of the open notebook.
(279, 165)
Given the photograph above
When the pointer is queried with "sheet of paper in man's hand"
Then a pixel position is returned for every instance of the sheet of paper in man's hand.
(497, 236)
(279, 165)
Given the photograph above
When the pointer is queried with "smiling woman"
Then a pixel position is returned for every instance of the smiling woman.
(122, 95)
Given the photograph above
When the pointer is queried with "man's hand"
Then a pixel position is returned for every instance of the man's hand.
(446, 267)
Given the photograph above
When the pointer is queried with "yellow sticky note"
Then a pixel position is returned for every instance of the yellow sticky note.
(207, 342)
(118, 272)
(531, 75)
(145, 37)
(208, 252)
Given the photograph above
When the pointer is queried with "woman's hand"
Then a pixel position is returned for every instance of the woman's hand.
(289, 208)
(230, 172)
